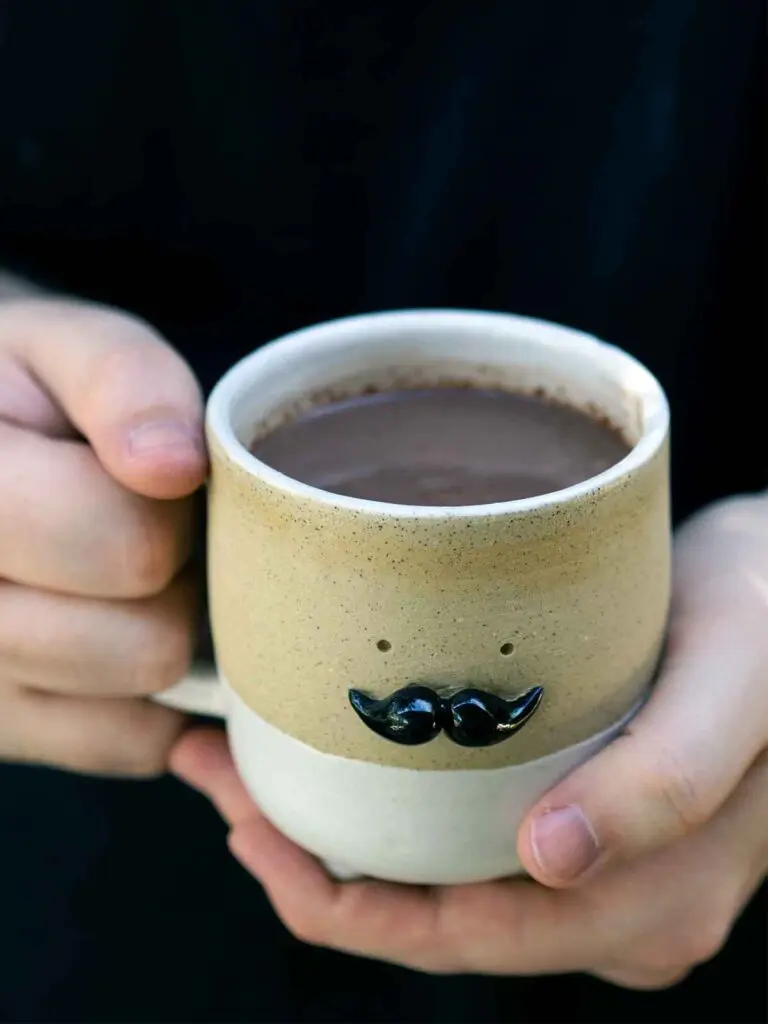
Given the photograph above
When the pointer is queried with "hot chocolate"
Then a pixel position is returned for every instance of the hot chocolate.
(442, 446)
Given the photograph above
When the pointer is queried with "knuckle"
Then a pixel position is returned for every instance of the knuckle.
(122, 327)
(436, 964)
(154, 734)
(146, 764)
(146, 558)
(164, 658)
(145, 756)
(668, 979)
(124, 738)
(674, 786)
(704, 941)
(132, 341)
(694, 942)
(94, 761)
(129, 325)
(306, 929)
(652, 980)
(113, 763)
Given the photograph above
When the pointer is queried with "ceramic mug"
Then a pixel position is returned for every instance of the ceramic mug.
(554, 607)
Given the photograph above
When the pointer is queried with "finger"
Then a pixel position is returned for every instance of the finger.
(646, 981)
(66, 525)
(123, 387)
(738, 835)
(24, 403)
(308, 901)
(507, 927)
(201, 758)
(511, 927)
(84, 647)
(89, 735)
(678, 761)
(681, 902)
(657, 917)
(647, 923)
(388, 922)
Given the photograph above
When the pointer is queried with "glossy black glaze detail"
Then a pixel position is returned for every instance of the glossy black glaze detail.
(471, 717)
(474, 718)
(409, 716)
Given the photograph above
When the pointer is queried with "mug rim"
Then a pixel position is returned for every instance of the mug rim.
(241, 375)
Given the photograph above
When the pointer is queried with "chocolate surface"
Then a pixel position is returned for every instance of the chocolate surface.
(442, 446)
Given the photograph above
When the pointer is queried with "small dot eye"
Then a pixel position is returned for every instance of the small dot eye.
(384, 646)
(506, 649)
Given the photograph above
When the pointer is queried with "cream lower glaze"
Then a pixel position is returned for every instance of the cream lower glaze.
(398, 824)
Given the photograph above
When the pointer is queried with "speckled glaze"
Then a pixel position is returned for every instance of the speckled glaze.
(573, 587)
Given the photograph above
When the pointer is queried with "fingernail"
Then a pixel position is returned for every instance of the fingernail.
(163, 435)
(564, 843)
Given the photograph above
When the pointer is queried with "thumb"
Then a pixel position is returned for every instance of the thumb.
(674, 766)
(120, 385)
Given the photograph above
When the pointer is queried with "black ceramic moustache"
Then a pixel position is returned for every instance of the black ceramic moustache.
(472, 718)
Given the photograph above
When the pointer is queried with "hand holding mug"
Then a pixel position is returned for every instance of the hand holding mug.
(100, 446)
(647, 853)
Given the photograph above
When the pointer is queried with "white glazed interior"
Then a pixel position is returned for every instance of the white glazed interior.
(420, 827)
(517, 352)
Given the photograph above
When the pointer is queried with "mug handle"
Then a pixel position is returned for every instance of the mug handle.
(200, 693)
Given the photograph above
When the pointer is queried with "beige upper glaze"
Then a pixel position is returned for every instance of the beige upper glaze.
(301, 592)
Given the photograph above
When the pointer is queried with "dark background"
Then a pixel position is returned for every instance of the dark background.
(232, 169)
